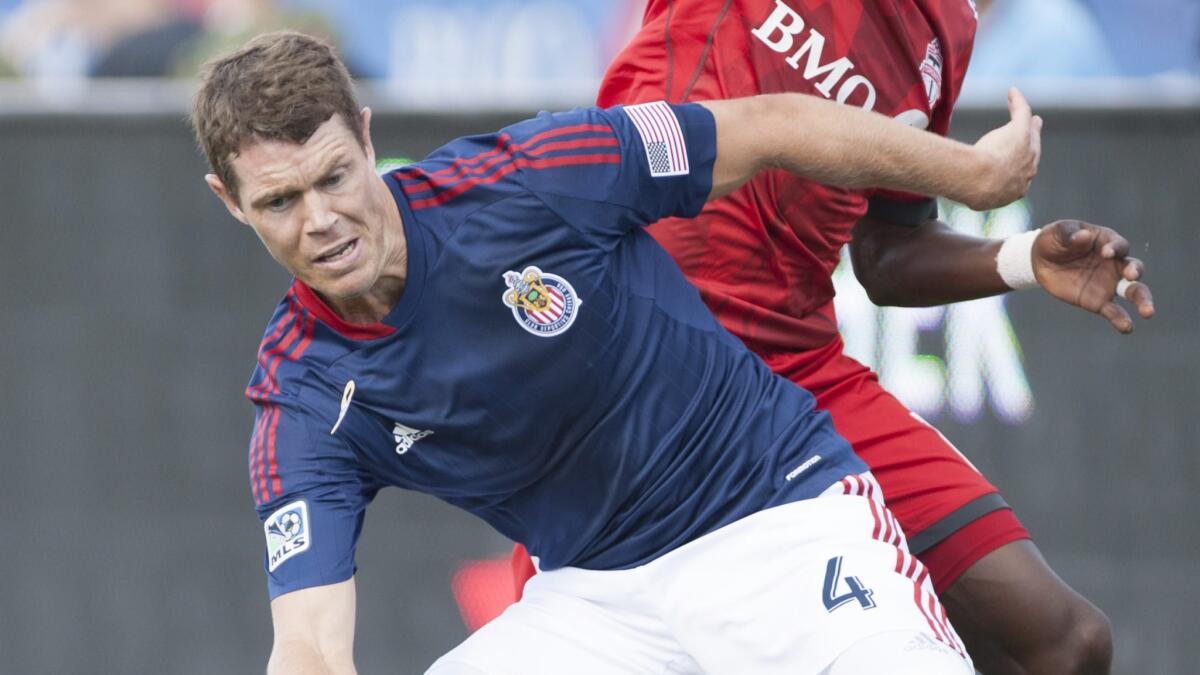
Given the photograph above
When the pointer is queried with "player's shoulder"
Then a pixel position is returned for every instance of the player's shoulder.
(290, 447)
(297, 341)
(473, 171)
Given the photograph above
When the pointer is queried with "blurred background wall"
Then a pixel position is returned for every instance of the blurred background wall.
(132, 305)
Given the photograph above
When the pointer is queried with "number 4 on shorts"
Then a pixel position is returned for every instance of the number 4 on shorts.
(833, 576)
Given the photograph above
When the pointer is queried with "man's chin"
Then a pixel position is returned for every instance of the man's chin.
(338, 291)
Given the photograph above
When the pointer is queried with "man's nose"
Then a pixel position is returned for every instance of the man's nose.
(319, 215)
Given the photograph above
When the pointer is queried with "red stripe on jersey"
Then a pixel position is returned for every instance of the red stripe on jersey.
(610, 142)
(504, 151)
(265, 354)
(506, 169)
(255, 438)
(269, 384)
(424, 182)
(278, 329)
(355, 331)
(269, 360)
(276, 485)
(271, 456)
(505, 141)
(262, 451)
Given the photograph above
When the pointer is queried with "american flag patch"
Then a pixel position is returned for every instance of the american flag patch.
(659, 128)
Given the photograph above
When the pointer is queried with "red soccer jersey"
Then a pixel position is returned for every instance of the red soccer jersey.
(763, 256)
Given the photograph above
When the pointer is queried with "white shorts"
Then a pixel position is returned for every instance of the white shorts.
(786, 590)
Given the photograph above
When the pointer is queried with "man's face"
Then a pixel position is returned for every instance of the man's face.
(317, 208)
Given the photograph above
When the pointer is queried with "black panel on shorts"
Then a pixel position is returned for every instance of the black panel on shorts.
(955, 521)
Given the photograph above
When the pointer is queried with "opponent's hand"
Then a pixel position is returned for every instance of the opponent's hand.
(1011, 155)
(1081, 264)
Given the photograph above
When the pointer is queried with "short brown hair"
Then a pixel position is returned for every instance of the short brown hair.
(279, 86)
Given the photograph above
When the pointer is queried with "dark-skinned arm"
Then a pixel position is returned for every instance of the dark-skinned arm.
(931, 264)
(924, 265)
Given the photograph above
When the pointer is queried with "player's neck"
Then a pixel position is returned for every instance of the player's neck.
(383, 296)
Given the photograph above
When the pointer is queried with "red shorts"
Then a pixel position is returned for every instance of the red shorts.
(952, 515)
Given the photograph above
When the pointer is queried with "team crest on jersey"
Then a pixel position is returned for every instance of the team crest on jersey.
(287, 533)
(543, 304)
(931, 72)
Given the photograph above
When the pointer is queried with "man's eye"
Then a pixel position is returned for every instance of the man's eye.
(277, 204)
(333, 180)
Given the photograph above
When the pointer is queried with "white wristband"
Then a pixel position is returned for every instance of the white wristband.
(1014, 262)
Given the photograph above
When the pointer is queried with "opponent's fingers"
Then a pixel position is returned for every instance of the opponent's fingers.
(1115, 245)
(1133, 270)
(1117, 316)
(1139, 294)
(1082, 238)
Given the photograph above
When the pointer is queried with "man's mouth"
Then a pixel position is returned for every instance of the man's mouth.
(339, 253)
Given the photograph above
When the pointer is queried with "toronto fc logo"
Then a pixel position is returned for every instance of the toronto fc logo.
(931, 72)
(544, 304)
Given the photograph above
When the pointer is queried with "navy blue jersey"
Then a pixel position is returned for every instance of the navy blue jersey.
(547, 367)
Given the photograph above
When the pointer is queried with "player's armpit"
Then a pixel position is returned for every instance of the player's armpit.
(843, 145)
(314, 631)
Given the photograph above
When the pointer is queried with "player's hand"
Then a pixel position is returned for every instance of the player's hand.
(1011, 155)
(1081, 264)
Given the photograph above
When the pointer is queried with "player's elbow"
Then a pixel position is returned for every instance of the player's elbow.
(297, 656)
(777, 121)
(871, 267)
(880, 292)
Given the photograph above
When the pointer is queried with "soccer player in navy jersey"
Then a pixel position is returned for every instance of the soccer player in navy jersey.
(492, 326)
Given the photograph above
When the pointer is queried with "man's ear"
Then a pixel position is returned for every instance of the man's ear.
(219, 190)
(366, 132)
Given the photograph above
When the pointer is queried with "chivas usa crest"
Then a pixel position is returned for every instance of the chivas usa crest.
(544, 304)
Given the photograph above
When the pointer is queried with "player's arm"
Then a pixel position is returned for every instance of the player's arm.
(931, 264)
(314, 631)
(843, 145)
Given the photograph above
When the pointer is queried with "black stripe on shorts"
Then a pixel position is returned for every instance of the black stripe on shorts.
(955, 521)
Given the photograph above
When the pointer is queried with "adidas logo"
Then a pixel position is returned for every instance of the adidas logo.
(406, 437)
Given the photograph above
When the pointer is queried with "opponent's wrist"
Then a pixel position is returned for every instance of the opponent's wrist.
(1014, 261)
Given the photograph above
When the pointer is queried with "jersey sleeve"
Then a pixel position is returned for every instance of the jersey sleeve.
(652, 160)
(310, 495)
